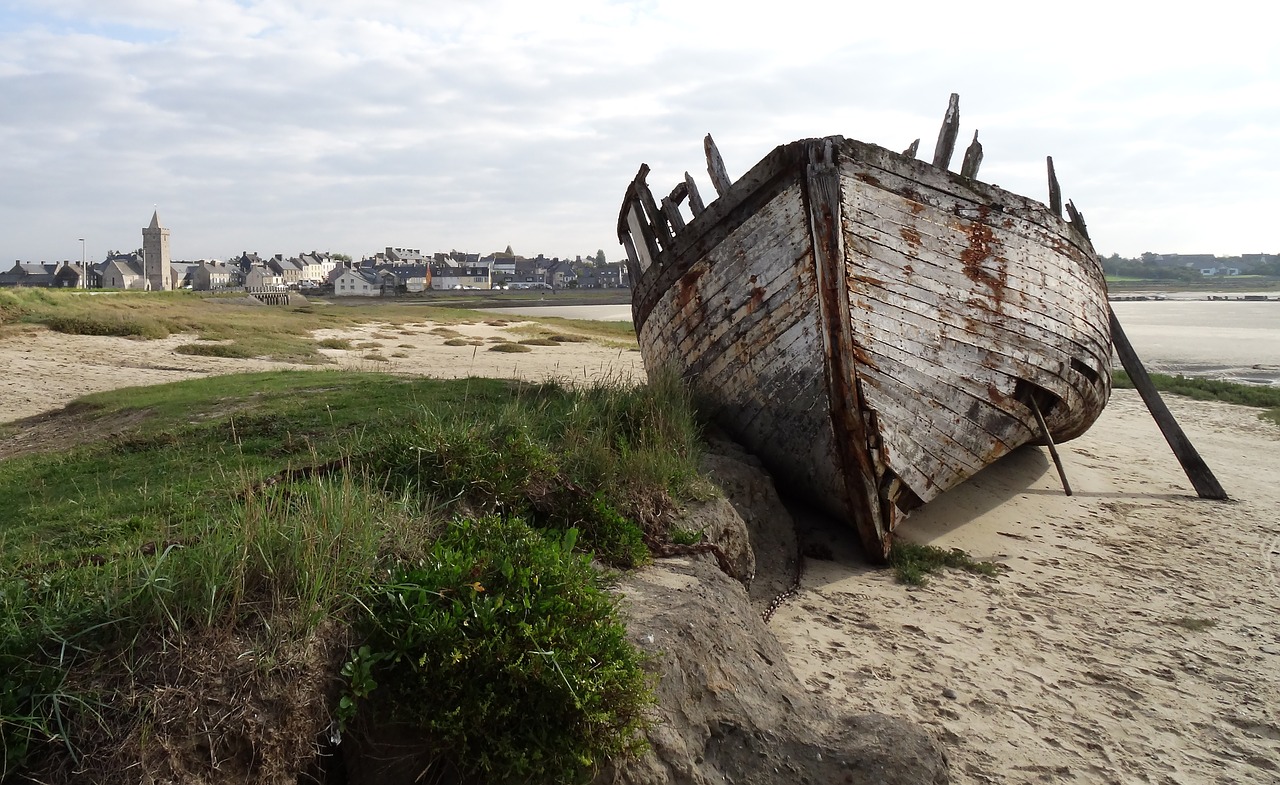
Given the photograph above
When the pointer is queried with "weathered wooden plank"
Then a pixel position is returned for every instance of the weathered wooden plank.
(904, 175)
(657, 220)
(947, 135)
(969, 351)
(1022, 264)
(715, 167)
(912, 149)
(1077, 220)
(972, 158)
(1030, 223)
(695, 199)
(872, 519)
(1197, 470)
(672, 211)
(888, 257)
(1055, 190)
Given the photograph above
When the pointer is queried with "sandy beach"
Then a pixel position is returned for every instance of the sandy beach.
(1132, 637)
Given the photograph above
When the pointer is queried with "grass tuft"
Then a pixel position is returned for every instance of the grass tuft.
(509, 348)
(912, 563)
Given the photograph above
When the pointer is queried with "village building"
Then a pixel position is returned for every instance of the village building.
(460, 278)
(359, 282)
(155, 256)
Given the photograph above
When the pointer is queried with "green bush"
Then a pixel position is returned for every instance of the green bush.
(506, 651)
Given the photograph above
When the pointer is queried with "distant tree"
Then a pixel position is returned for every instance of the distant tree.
(340, 257)
(600, 258)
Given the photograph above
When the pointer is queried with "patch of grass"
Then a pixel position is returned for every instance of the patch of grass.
(120, 325)
(538, 342)
(400, 355)
(375, 357)
(565, 338)
(250, 508)
(334, 343)
(912, 563)
(214, 350)
(1193, 625)
(681, 536)
(405, 346)
(368, 345)
(457, 342)
(1200, 389)
(509, 348)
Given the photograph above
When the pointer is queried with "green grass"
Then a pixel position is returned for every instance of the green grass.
(1267, 398)
(912, 563)
(259, 507)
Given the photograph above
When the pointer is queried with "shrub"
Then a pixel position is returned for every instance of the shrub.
(334, 343)
(215, 350)
(509, 348)
(107, 323)
(506, 651)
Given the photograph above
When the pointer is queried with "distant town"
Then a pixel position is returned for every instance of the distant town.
(408, 270)
(387, 272)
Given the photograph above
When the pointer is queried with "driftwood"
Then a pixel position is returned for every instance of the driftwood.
(1197, 470)
(715, 167)
(947, 135)
(912, 149)
(972, 158)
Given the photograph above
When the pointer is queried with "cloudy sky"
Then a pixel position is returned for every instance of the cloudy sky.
(284, 126)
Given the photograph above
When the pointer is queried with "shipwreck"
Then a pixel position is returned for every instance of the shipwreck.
(875, 327)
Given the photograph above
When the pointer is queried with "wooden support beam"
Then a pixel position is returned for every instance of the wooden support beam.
(1048, 440)
(947, 135)
(972, 158)
(1055, 191)
(695, 199)
(715, 167)
(1197, 470)
(912, 149)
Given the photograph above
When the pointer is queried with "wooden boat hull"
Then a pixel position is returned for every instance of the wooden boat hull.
(875, 328)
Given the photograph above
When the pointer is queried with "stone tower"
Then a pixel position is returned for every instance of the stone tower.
(155, 255)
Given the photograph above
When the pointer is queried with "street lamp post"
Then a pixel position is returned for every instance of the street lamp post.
(84, 270)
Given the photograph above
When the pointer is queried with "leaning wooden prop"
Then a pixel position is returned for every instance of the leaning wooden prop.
(875, 327)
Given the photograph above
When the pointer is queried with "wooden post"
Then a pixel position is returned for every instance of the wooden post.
(1055, 191)
(912, 149)
(715, 167)
(1048, 440)
(972, 158)
(1197, 470)
(947, 135)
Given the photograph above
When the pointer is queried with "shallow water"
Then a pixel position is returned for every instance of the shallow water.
(1233, 340)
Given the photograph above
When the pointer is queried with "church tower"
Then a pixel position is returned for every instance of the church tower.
(155, 255)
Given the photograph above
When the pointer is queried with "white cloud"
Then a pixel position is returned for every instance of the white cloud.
(280, 125)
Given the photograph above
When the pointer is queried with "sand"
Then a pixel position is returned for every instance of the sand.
(42, 370)
(1133, 637)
